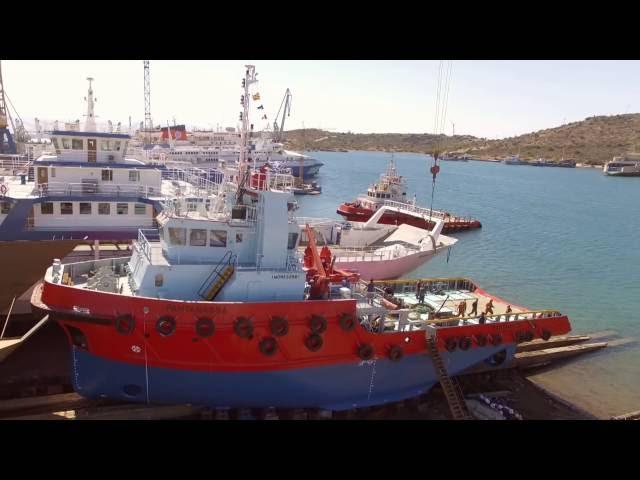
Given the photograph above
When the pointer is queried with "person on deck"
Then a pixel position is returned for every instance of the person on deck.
(371, 288)
(489, 308)
(482, 319)
(507, 316)
(474, 308)
(418, 289)
(462, 308)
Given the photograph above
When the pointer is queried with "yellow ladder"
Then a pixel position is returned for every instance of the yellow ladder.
(450, 386)
(219, 283)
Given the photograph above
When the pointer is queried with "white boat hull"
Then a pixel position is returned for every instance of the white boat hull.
(369, 267)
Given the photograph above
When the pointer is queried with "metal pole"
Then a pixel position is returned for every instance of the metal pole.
(6, 322)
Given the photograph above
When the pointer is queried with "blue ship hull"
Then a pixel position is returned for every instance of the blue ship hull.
(335, 387)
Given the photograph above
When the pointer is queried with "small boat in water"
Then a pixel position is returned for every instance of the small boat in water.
(391, 191)
(307, 189)
(623, 166)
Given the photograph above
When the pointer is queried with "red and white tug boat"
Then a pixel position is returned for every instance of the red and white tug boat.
(391, 190)
(215, 308)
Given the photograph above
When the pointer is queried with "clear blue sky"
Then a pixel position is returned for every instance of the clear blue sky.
(491, 99)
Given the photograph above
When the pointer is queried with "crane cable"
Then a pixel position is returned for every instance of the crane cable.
(442, 103)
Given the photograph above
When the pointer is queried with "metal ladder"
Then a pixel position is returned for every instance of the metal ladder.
(219, 277)
(450, 386)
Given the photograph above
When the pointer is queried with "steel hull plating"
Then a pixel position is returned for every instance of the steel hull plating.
(333, 387)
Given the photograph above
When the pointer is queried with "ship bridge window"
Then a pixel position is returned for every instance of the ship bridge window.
(218, 238)
(117, 145)
(134, 175)
(105, 145)
(55, 144)
(45, 208)
(177, 236)
(122, 208)
(104, 209)
(85, 208)
(107, 175)
(140, 209)
(238, 237)
(66, 208)
(66, 143)
(77, 144)
(198, 238)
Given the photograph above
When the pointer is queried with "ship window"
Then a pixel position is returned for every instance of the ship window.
(5, 207)
(218, 238)
(107, 175)
(134, 176)
(177, 236)
(293, 238)
(238, 237)
(198, 238)
(77, 144)
(140, 209)
(105, 145)
(122, 208)
(53, 171)
(116, 143)
(159, 280)
(55, 143)
(66, 143)
(104, 208)
(85, 208)
(45, 208)
(66, 208)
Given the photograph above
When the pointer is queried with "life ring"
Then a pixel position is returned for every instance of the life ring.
(279, 326)
(464, 343)
(205, 327)
(313, 342)
(347, 322)
(450, 344)
(395, 353)
(317, 324)
(481, 340)
(166, 325)
(365, 351)
(125, 324)
(243, 327)
(528, 336)
(546, 335)
(3, 189)
(268, 346)
(496, 339)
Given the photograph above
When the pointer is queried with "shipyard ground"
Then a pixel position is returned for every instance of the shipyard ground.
(40, 369)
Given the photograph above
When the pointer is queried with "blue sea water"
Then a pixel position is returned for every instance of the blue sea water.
(557, 238)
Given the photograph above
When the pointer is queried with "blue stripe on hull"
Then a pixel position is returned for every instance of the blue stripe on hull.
(309, 170)
(336, 387)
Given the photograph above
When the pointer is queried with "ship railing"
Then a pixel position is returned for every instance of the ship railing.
(15, 164)
(527, 316)
(196, 177)
(271, 181)
(368, 254)
(431, 285)
(56, 189)
(145, 237)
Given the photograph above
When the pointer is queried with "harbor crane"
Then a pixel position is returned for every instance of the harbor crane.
(148, 126)
(278, 131)
(10, 147)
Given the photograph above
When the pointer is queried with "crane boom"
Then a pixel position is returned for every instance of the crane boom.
(286, 103)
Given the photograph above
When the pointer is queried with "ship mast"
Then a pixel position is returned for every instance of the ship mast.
(243, 168)
(90, 123)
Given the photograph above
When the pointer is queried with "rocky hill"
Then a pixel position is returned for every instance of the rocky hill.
(594, 140)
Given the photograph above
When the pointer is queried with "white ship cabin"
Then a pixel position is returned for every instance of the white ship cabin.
(239, 253)
(390, 188)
